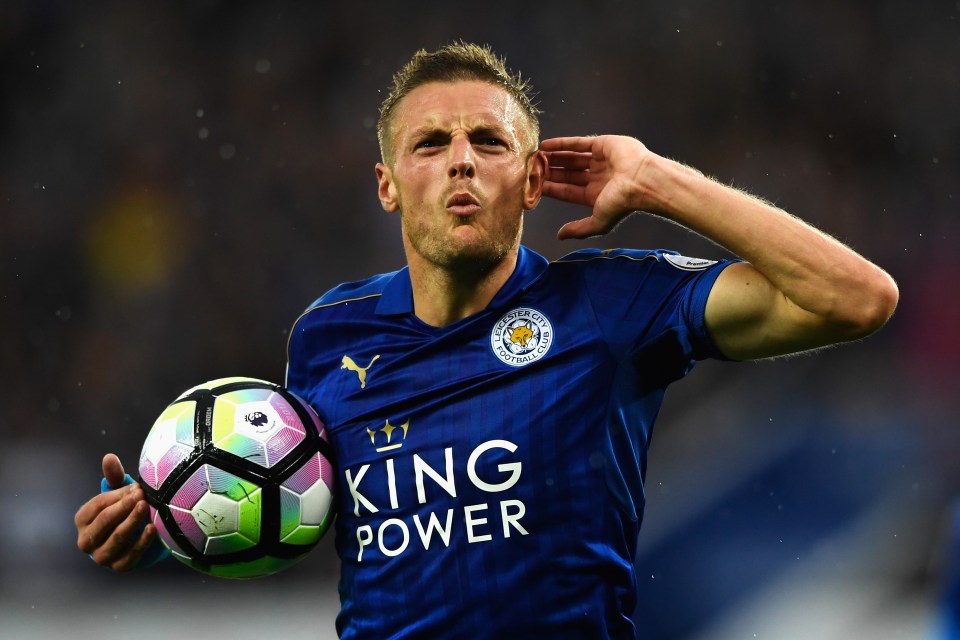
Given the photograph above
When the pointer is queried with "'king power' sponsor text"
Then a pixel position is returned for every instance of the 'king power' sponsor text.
(480, 522)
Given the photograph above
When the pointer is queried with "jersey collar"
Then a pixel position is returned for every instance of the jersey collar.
(397, 296)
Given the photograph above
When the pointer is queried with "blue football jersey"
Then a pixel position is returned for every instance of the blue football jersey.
(490, 472)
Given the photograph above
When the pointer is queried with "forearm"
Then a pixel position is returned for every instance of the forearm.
(811, 269)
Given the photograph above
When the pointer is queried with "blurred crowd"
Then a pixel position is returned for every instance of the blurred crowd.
(179, 180)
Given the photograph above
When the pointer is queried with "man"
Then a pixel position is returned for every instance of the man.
(491, 438)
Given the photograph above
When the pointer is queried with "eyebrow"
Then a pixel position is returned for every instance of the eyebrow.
(426, 131)
(431, 130)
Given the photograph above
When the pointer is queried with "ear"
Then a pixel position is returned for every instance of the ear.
(536, 175)
(386, 189)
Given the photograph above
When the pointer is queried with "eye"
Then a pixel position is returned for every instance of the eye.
(492, 142)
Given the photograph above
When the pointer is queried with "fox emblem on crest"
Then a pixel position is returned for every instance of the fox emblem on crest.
(347, 363)
(522, 334)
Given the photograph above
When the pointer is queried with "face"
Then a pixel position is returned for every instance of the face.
(460, 176)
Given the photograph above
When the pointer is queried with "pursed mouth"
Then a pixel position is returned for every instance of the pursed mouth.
(462, 199)
(463, 203)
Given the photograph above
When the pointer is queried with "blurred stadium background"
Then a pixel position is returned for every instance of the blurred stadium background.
(178, 180)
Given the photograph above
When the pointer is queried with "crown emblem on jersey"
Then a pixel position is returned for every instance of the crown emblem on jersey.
(393, 441)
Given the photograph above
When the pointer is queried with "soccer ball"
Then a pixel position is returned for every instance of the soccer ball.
(238, 476)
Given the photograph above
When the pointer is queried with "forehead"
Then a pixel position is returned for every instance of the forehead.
(448, 105)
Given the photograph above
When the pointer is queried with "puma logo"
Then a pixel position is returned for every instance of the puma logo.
(348, 363)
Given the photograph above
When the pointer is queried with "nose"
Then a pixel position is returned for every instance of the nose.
(461, 158)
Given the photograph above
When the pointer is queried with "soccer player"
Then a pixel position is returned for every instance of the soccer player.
(491, 411)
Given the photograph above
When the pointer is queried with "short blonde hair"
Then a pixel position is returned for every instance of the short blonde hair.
(455, 62)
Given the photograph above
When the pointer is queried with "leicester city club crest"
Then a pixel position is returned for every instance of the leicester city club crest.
(521, 336)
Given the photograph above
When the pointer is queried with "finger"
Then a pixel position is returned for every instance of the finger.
(113, 470)
(122, 537)
(565, 192)
(569, 159)
(575, 143)
(131, 558)
(89, 511)
(569, 176)
(581, 229)
(106, 520)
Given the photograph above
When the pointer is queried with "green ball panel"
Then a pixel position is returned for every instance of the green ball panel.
(254, 569)
(250, 516)
(230, 543)
(306, 534)
(244, 447)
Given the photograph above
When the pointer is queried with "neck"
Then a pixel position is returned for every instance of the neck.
(441, 296)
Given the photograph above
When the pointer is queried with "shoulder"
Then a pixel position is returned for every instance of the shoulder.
(611, 274)
(605, 260)
(369, 288)
(599, 255)
(344, 303)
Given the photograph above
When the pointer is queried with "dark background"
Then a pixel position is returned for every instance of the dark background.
(179, 180)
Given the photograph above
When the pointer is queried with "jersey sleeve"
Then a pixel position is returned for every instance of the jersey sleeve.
(296, 373)
(652, 303)
(310, 337)
(299, 346)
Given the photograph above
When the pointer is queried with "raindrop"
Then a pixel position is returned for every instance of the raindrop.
(262, 66)
(228, 151)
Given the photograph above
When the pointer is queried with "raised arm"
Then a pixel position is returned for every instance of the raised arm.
(799, 288)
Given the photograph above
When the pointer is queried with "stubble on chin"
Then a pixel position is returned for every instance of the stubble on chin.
(456, 254)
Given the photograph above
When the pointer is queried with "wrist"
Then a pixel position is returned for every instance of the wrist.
(670, 188)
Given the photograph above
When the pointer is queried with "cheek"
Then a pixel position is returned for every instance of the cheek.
(417, 183)
(513, 185)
